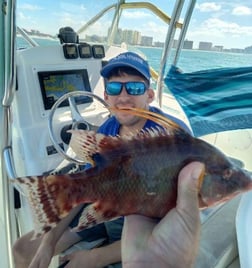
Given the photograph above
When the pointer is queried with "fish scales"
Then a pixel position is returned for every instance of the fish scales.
(136, 175)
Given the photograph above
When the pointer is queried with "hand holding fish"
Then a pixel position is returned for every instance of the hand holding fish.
(173, 242)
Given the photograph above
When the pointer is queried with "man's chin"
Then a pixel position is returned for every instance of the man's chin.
(125, 119)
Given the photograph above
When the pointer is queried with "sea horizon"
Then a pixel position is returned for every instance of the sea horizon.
(190, 60)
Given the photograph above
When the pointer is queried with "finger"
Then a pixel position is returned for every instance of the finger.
(137, 229)
(39, 264)
(137, 225)
(65, 259)
(136, 232)
(64, 264)
(188, 185)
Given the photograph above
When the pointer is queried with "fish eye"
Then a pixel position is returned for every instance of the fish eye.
(227, 173)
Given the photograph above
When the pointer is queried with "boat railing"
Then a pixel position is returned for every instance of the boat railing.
(172, 21)
(136, 5)
(30, 41)
(9, 89)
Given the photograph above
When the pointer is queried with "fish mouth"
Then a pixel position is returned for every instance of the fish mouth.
(202, 204)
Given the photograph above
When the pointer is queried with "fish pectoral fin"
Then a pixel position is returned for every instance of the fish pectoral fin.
(85, 144)
(92, 216)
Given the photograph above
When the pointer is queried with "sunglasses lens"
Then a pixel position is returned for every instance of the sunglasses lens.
(135, 88)
(132, 88)
(113, 88)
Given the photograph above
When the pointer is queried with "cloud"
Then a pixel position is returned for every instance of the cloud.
(241, 11)
(208, 7)
(221, 26)
(218, 24)
(30, 7)
(220, 32)
(21, 16)
(155, 30)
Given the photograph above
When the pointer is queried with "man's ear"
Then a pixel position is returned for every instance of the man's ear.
(105, 96)
(151, 95)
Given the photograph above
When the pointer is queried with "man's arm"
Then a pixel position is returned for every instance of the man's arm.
(95, 258)
(47, 247)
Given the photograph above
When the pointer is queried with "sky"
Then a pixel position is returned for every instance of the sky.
(224, 23)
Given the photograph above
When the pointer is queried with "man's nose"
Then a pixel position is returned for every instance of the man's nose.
(124, 92)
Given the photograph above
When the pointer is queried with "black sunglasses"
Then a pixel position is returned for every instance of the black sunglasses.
(132, 88)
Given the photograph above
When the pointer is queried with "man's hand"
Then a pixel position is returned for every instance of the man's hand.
(95, 258)
(172, 242)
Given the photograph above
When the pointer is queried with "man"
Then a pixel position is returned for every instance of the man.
(127, 84)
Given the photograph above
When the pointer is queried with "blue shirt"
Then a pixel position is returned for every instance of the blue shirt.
(112, 126)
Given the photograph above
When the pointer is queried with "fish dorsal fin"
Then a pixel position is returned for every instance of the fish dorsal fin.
(155, 117)
(88, 143)
(153, 132)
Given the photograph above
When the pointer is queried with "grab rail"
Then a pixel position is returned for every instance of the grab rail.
(167, 47)
(9, 163)
(9, 88)
(123, 5)
(27, 37)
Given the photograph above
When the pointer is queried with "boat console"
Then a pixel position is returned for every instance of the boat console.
(44, 74)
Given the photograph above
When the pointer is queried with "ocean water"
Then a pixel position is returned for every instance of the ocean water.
(189, 60)
(195, 60)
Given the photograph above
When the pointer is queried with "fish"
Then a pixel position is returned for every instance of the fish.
(137, 174)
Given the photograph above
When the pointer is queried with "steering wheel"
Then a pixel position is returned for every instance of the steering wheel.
(77, 120)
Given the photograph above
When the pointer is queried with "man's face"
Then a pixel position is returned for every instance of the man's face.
(126, 100)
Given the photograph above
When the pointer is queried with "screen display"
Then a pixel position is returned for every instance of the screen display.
(98, 51)
(85, 50)
(55, 84)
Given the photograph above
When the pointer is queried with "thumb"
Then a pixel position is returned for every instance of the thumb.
(188, 186)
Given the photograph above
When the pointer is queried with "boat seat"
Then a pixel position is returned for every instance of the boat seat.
(243, 230)
(218, 243)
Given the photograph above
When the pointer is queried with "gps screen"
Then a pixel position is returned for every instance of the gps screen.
(55, 84)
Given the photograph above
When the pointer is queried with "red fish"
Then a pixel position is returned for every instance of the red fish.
(132, 175)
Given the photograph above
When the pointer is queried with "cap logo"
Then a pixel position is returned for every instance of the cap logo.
(130, 57)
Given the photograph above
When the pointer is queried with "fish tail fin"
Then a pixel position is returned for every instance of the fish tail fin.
(50, 198)
(44, 213)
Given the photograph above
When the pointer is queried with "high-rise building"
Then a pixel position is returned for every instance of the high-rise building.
(205, 45)
(147, 41)
(188, 44)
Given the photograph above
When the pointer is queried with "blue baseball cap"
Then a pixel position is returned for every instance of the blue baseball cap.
(127, 59)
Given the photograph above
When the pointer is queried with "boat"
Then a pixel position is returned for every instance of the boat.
(35, 115)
